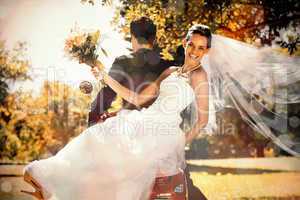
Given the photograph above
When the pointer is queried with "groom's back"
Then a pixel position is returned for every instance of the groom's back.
(134, 71)
(139, 69)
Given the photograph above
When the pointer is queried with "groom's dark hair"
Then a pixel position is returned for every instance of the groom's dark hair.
(144, 30)
(201, 30)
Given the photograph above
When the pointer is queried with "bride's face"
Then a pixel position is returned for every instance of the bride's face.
(195, 49)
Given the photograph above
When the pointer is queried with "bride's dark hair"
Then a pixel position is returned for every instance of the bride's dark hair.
(201, 30)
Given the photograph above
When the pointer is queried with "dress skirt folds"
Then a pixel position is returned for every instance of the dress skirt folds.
(120, 158)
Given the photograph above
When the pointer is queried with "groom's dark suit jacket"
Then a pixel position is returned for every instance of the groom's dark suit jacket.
(133, 71)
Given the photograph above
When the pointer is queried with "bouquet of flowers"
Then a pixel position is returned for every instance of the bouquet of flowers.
(83, 47)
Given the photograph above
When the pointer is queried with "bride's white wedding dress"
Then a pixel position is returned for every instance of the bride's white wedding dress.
(120, 158)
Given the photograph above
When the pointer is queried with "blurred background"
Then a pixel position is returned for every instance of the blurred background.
(42, 108)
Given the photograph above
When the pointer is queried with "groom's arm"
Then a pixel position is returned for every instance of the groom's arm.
(106, 96)
(137, 99)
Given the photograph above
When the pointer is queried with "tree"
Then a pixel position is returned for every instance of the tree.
(25, 128)
(13, 67)
(69, 107)
(34, 127)
(239, 19)
(261, 22)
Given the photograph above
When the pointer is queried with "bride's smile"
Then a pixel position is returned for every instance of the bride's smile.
(195, 48)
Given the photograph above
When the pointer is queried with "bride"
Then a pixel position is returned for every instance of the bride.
(119, 159)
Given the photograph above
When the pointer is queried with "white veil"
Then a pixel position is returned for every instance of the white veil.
(258, 82)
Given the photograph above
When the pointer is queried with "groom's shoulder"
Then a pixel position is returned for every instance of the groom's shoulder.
(124, 59)
(143, 58)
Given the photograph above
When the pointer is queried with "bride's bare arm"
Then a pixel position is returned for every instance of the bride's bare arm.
(138, 99)
(200, 85)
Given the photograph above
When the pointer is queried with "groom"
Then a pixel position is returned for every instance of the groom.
(135, 71)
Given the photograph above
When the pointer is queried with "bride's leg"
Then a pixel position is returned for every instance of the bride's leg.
(38, 193)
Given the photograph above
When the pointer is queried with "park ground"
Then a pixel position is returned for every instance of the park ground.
(221, 179)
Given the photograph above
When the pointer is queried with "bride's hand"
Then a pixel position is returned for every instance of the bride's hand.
(98, 74)
(95, 72)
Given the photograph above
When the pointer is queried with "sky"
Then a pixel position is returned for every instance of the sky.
(44, 25)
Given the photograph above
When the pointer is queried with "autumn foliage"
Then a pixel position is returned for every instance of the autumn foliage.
(34, 126)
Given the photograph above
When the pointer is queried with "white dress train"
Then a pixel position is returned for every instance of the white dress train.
(120, 158)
